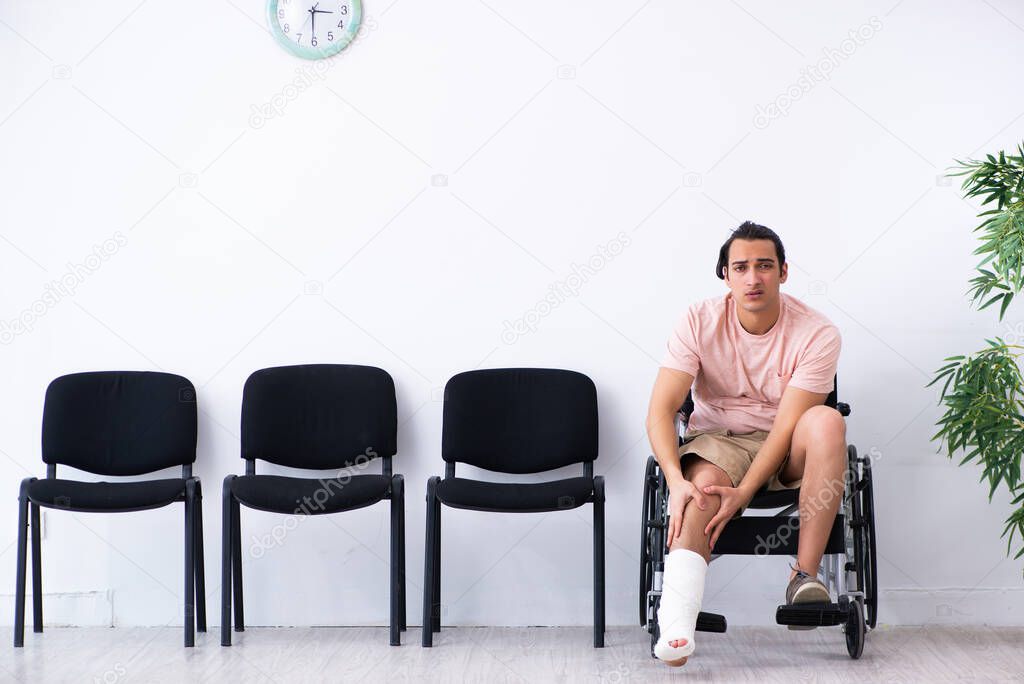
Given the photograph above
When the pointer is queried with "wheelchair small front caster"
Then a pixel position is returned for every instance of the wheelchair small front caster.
(854, 627)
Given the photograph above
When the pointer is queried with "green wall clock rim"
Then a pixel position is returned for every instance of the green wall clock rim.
(308, 51)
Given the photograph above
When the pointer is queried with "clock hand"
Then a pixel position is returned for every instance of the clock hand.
(313, 11)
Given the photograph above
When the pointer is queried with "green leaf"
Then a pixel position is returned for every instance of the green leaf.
(995, 298)
(1006, 303)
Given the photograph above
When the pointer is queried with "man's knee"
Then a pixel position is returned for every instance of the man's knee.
(823, 424)
(704, 474)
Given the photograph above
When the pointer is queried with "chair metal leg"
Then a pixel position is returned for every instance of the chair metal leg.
(599, 612)
(436, 610)
(19, 583)
(397, 573)
(428, 569)
(37, 569)
(190, 567)
(236, 563)
(225, 564)
(200, 562)
(402, 624)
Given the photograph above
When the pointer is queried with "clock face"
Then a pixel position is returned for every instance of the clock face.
(314, 29)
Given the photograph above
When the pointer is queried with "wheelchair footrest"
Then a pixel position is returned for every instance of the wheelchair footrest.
(812, 614)
(710, 622)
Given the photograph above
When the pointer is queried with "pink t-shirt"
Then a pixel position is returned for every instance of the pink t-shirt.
(740, 377)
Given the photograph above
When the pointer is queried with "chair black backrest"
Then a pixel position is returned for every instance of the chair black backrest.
(120, 422)
(519, 420)
(831, 400)
(319, 416)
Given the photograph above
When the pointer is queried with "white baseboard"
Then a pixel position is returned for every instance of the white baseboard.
(73, 609)
(1002, 606)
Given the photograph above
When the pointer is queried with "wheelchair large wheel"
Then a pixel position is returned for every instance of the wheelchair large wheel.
(647, 516)
(656, 550)
(863, 525)
(871, 585)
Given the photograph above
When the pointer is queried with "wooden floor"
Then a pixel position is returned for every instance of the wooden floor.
(491, 654)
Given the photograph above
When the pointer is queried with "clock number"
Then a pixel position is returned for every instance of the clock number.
(286, 11)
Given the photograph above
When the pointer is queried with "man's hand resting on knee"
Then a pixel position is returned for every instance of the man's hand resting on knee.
(733, 500)
(680, 493)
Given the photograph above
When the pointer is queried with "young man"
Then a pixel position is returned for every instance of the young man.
(761, 365)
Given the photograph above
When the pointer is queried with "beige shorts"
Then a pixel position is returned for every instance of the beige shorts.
(732, 452)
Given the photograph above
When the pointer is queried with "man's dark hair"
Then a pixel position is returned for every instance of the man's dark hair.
(749, 231)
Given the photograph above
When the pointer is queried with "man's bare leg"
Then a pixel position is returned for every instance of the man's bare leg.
(702, 474)
(818, 454)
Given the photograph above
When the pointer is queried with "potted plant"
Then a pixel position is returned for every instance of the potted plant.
(983, 392)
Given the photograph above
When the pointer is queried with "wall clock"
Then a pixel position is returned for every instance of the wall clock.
(314, 29)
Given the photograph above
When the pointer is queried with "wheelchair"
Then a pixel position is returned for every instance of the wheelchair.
(849, 561)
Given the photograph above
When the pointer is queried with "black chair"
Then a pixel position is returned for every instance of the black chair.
(315, 417)
(515, 420)
(116, 423)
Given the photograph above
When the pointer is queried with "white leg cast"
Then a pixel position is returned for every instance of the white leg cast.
(681, 595)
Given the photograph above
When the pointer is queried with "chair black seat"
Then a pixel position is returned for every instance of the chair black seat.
(282, 494)
(775, 499)
(105, 496)
(518, 497)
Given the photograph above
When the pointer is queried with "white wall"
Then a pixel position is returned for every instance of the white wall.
(325, 234)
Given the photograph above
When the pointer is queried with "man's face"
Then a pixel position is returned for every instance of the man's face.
(753, 274)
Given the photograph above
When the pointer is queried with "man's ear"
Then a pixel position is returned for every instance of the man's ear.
(785, 273)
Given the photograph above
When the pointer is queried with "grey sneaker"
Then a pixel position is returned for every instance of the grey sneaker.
(804, 588)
